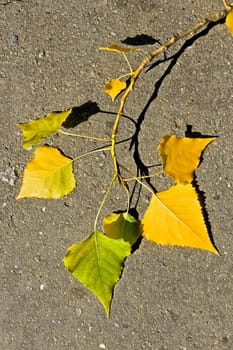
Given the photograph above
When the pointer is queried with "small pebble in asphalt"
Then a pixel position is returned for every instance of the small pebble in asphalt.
(14, 40)
(78, 311)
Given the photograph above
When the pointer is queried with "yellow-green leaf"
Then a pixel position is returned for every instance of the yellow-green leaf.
(181, 156)
(97, 262)
(122, 225)
(114, 87)
(116, 48)
(229, 22)
(37, 129)
(48, 175)
(174, 217)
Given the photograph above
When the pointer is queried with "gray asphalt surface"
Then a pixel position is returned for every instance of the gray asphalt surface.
(169, 297)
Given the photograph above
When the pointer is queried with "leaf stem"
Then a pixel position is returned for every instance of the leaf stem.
(104, 200)
(91, 152)
(143, 177)
(129, 65)
(125, 75)
(137, 178)
(84, 136)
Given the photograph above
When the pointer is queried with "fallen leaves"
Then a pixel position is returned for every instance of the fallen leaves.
(114, 87)
(181, 156)
(97, 262)
(37, 129)
(175, 216)
(48, 175)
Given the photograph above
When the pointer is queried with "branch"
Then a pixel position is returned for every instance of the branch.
(214, 17)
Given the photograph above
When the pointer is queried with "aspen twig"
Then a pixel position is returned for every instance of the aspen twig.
(214, 17)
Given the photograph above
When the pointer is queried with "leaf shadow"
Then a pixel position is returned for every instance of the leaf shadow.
(195, 134)
(140, 40)
(142, 169)
(201, 194)
(81, 114)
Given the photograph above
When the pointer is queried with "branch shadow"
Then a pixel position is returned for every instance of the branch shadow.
(142, 169)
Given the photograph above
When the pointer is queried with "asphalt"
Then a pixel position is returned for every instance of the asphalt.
(168, 297)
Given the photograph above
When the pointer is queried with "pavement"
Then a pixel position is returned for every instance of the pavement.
(169, 298)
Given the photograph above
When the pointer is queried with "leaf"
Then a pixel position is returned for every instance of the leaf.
(122, 225)
(48, 175)
(114, 87)
(97, 262)
(116, 48)
(37, 129)
(181, 156)
(174, 217)
(229, 22)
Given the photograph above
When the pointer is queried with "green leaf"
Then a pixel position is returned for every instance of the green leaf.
(97, 262)
(48, 175)
(122, 225)
(35, 130)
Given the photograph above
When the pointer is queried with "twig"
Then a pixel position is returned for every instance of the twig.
(214, 17)
(227, 6)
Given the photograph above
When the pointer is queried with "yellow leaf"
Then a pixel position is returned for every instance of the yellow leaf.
(229, 22)
(37, 129)
(181, 156)
(116, 48)
(174, 217)
(114, 87)
(48, 175)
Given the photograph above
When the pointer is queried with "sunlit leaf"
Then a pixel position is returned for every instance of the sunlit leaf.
(175, 217)
(114, 87)
(37, 129)
(97, 262)
(48, 175)
(122, 225)
(116, 48)
(181, 156)
(229, 22)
